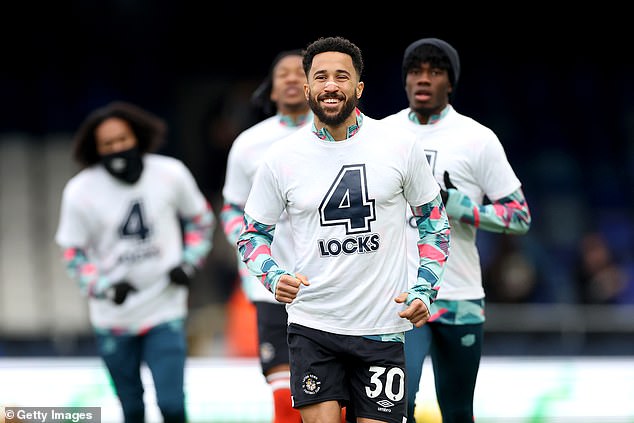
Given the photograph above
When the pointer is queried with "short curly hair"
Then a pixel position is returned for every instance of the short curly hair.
(149, 129)
(338, 44)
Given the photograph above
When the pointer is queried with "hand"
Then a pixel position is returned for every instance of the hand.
(444, 193)
(288, 286)
(182, 275)
(119, 291)
(416, 312)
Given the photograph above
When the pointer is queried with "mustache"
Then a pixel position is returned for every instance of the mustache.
(336, 96)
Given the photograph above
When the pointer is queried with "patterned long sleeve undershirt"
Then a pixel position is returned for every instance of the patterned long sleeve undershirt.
(198, 237)
(433, 249)
(198, 241)
(507, 215)
(232, 218)
(254, 246)
(85, 273)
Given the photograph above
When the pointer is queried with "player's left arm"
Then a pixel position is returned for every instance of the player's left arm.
(507, 215)
(197, 243)
(433, 249)
(198, 236)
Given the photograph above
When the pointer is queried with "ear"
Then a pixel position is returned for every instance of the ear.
(307, 91)
(360, 86)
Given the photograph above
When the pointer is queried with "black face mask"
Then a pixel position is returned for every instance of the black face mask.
(125, 165)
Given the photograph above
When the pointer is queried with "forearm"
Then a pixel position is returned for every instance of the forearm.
(232, 218)
(198, 237)
(433, 249)
(254, 247)
(85, 273)
(507, 215)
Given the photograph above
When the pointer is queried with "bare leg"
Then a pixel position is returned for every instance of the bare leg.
(323, 412)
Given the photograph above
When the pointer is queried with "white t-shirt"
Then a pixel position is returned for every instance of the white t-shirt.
(244, 158)
(132, 232)
(477, 166)
(346, 201)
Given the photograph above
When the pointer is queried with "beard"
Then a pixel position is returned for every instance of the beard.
(331, 119)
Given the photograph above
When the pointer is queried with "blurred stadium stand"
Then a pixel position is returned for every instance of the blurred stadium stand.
(42, 313)
(560, 102)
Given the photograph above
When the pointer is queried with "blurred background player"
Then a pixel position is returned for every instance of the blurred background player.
(468, 159)
(134, 228)
(281, 99)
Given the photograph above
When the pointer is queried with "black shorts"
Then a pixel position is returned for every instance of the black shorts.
(272, 324)
(366, 375)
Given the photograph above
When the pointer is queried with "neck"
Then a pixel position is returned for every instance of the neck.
(428, 117)
(338, 132)
(295, 114)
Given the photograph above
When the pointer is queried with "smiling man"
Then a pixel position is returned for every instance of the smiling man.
(345, 182)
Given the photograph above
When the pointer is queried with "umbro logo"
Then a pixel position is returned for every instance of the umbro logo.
(385, 403)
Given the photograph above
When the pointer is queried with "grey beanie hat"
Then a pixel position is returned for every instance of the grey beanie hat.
(446, 48)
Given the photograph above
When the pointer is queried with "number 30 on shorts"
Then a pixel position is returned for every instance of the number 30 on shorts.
(394, 374)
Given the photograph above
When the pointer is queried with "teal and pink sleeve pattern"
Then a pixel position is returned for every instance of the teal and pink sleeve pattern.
(254, 246)
(507, 215)
(433, 249)
(232, 217)
(198, 233)
(85, 273)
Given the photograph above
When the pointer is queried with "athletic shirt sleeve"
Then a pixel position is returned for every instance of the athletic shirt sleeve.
(266, 201)
(72, 230)
(494, 172)
(191, 201)
(237, 178)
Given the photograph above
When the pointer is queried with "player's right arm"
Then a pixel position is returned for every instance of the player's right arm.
(254, 246)
(85, 273)
(91, 284)
(72, 236)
